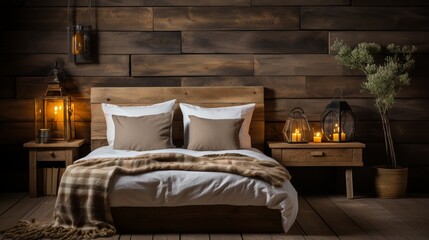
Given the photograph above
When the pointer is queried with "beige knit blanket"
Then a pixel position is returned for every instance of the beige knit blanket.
(82, 210)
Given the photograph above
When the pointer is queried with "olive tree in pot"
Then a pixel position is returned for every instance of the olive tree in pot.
(384, 79)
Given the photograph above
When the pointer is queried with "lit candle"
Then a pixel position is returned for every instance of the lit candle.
(296, 136)
(317, 138)
(336, 135)
(343, 136)
(54, 123)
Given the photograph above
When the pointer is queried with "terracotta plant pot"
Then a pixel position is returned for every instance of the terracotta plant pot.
(391, 182)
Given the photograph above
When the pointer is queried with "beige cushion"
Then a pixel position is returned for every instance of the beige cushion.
(231, 112)
(132, 111)
(142, 133)
(214, 134)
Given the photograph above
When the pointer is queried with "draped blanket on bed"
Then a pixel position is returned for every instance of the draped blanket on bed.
(82, 209)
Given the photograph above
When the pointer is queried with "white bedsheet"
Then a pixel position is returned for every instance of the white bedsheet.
(181, 188)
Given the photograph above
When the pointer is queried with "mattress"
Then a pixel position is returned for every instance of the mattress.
(185, 188)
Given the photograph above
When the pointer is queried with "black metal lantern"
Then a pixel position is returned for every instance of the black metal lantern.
(79, 38)
(296, 129)
(338, 122)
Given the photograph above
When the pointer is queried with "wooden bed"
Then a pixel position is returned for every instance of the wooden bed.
(219, 218)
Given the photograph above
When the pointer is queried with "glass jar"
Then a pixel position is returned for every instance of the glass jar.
(77, 41)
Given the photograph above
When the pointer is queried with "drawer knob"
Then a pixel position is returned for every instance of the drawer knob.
(317, 154)
(52, 154)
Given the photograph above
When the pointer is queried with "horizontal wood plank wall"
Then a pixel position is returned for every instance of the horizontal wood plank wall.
(226, 18)
(191, 65)
(185, 3)
(254, 42)
(283, 45)
(106, 18)
(365, 18)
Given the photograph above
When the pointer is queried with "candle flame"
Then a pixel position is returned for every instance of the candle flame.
(336, 128)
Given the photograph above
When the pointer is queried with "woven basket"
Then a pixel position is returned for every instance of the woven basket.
(391, 182)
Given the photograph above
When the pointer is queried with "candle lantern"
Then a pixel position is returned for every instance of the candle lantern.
(296, 129)
(338, 122)
(54, 119)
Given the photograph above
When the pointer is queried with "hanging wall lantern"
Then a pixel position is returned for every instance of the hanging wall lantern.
(54, 113)
(296, 129)
(338, 122)
(79, 38)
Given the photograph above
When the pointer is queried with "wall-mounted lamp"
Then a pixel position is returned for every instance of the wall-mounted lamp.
(79, 38)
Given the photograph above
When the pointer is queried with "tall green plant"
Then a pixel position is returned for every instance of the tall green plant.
(384, 79)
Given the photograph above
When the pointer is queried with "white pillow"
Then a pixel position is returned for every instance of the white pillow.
(233, 112)
(132, 111)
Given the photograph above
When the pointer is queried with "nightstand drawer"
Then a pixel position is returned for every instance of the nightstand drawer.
(319, 157)
(51, 155)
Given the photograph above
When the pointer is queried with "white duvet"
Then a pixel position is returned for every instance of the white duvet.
(181, 188)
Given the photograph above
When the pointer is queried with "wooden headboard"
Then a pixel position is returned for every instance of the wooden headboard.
(202, 96)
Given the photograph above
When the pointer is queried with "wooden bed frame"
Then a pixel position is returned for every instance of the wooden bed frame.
(218, 218)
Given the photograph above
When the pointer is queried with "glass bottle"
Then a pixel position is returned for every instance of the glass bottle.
(77, 41)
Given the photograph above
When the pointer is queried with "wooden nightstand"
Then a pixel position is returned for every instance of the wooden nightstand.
(50, 152)
(348, 154)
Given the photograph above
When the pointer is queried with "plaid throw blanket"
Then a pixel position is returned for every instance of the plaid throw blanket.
(82, 210)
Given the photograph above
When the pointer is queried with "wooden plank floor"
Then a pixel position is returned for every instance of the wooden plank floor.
(320, 217)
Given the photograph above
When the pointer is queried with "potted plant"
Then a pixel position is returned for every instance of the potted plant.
(384, 79)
